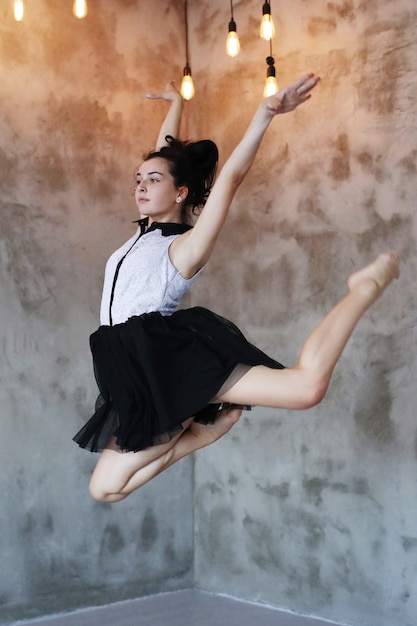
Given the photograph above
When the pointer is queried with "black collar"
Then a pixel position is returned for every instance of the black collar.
(166, 228)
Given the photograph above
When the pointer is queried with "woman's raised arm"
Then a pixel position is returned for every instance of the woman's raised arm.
(172, 121)
(191, 251)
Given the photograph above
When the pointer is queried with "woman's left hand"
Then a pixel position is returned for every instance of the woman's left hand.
(291, 97)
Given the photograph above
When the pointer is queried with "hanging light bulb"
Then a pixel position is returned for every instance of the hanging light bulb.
(187, 85)
(271, 85)
(267, 30)
(19, 10)
(232, 41)
(80, 8)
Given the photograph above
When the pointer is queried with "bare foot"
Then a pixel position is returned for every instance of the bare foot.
(208, 433)
(376, 276)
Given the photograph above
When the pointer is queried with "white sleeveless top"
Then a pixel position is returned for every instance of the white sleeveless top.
(142, 278)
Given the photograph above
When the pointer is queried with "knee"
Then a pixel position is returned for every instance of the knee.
(96, 492)
(100, 494)
(232, 415)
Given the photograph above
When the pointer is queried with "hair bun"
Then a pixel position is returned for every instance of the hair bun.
(202, 154)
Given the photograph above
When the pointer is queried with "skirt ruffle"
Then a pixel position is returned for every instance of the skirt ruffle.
(156, 371)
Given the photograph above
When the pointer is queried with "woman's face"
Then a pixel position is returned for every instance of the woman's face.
(155, 193)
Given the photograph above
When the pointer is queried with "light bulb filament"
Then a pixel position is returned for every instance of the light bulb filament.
(271, 86)
(187, 85)
(267, 28)
(19, 10)
(80, 8)
(232, 44)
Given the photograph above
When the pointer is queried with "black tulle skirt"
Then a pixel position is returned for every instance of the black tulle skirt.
(155, 371)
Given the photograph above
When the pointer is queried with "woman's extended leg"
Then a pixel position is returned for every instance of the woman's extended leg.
(305, 385)
(119, 473)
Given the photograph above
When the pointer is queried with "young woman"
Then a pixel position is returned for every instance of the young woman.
(163, 373)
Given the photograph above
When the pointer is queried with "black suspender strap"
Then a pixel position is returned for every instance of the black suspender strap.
(142, 223)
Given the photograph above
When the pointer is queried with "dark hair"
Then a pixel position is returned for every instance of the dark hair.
(193, 164)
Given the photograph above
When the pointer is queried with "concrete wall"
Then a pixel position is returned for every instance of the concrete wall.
(316, 511)
(74, 123)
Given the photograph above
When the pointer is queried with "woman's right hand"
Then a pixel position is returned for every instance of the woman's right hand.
(170, 94)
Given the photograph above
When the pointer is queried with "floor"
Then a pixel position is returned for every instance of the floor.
(180, 608)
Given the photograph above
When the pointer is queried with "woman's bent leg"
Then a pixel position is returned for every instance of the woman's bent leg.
(305, 385)
(119, 473)
(110, 481)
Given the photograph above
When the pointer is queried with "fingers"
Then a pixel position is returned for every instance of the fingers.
(301, 81)
(169, 94)
(305, 84)
(291, 97)
(231, 416)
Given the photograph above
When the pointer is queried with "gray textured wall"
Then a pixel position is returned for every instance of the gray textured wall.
(316, 511)
(74, 123)
(310, 511)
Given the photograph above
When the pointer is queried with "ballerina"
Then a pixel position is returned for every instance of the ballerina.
(174, 380)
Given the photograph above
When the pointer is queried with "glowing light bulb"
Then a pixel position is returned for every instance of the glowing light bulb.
(267, 29)
(80, 8)
(271, 86)
(232, 41)
(187, 86)
(19, 10)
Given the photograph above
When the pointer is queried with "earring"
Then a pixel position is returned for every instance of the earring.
(178, 200)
